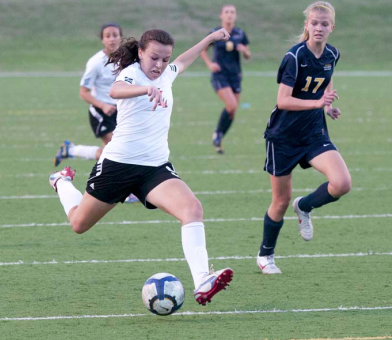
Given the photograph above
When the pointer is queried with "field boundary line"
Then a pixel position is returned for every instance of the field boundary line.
(188, 74)
(207, 220)
(205, 192)
(235, 257)
(189, 313)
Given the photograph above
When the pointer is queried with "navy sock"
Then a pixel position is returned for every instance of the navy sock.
(270, 235)
(224, 122)
(316, 199)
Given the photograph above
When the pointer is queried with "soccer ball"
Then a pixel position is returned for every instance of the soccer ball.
(163, 294)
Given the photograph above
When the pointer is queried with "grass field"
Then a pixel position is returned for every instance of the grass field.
(58, 285)
(91, 284)
(60, 35)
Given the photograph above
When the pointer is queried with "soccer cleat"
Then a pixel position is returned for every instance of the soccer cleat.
(131, 199)
(62, 153)
(213, 284)
(267, 264)
(67, 174)
(304, 222)
(217, 142)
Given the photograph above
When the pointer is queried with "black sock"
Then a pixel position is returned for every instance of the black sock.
(224, 122)
(316, 199)
(270, 235)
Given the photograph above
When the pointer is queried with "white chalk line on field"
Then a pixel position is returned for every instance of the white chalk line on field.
(189, 74)
(209, 157)
(218, 258)
(189, 313)
(207, 220)
(195, 172)
(217, 192)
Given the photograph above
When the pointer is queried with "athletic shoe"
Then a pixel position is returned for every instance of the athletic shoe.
(267, 264)
(62, 153)
(131, 199)
(67, 174)
(212, 284)
(217, 142)
(304, 222)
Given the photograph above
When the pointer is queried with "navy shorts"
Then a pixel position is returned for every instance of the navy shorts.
(112, 182)
(101, 124)
(220, 80)
(282, 159)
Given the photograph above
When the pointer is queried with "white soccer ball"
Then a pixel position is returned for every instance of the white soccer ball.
(163, 294)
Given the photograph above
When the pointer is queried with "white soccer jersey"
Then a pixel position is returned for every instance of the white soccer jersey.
(141, 134)
(99, 78)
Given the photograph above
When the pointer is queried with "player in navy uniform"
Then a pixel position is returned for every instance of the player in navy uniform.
(297, 131)
(226, 71)
(136, 159)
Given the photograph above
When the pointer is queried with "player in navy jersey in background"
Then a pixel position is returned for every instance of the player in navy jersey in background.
(226, 70)
(297, 131)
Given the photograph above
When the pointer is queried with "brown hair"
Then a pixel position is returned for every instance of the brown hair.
(321, 6)
(127, 53)
(110, 25)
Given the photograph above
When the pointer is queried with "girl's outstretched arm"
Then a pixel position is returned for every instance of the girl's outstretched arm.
(184, 60)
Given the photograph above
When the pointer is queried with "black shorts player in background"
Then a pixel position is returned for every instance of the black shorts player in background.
(94, 90)
(297, 131)
(226, 70)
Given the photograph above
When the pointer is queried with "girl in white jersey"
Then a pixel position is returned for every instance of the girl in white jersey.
(94, 89)
(136, 159)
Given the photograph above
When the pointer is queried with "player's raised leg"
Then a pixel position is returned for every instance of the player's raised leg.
(83, 211)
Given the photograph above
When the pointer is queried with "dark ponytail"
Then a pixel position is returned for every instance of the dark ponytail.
(127, 53)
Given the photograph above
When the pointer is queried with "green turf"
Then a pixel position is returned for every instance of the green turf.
(37, 114)
(60, 35)
(51, 112)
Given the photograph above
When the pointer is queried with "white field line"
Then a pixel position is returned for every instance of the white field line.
(234, 312)
(211, 157)
(190, 74)
(218, 192)
(299, 256)
(193, 172)
(207, 220)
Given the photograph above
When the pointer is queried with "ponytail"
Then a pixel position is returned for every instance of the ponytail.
(128, 53)
(125, 55)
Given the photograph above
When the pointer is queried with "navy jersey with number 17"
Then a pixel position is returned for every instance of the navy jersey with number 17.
(308, 76)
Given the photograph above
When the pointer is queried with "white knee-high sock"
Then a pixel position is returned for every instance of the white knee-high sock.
(69, 195)
(83, 151)
(194, 247)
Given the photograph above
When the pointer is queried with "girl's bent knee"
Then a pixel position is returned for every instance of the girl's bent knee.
(79, 227)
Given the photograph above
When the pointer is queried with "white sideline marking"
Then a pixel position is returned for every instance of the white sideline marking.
(217, 192)
(234, 312)
(244, 219)
(193, 172)
(189, 74)
(299, 256)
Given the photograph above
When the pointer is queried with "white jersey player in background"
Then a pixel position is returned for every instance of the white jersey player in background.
(136, 159)
(94, 89)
